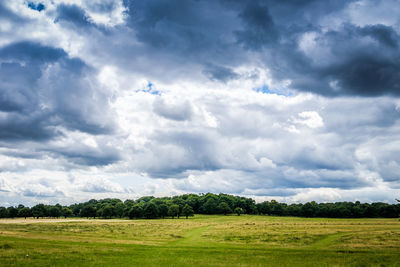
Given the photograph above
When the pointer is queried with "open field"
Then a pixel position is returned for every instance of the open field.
(201, 241)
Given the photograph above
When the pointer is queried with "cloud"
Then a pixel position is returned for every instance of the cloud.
(101, 186)
(86, 155)
(364, 64)
(173, 152)
(283, 99)
(74, 15)
(220, 73)
(310, 118)
(294, 40)
(259, 29)
(178, 111)
(41, 88)
(41, 192)
(4, 187)
(8, 14)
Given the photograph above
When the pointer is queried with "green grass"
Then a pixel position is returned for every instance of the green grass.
(201, 241)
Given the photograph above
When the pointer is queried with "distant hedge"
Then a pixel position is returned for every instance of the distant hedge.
(189, 204)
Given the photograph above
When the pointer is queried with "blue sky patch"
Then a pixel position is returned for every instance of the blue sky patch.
(149, 89)
(38, 7)
(266, 90)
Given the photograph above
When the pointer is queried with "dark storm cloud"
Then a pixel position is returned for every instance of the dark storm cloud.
(75, 17)
(199, 31)
(362, 60)
(83, 155)
(32, 127)
(73, 14)
(259, 28)
(359, 66)
(31, 52)
(220, 73)
(19, 153)
(384, 34)
(41, 89)
(6, 13)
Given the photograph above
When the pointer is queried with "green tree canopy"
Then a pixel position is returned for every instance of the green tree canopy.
(136, 212)
(187, 211)
(38, 210)
(24, 212)
(54, 212)
(150, 210)
(163, 210)
(224, 208)
(173, 210)
(238, 211)
(66, 212)
(3, 212)
(119, 209)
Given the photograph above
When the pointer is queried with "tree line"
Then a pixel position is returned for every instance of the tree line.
(150, 207)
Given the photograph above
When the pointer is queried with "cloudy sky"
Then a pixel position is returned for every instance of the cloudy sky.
(287, 100)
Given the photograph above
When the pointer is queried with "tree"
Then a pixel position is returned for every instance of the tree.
(24, 212)
(136, 212)
(54, 212)
(173, 210)
(163, 210)
(275, 208)
(119, 209)
(308, 209)
(12, 212)
(66, 212)
(224, 208)
(180, 202)
(3, 212)
(238, 211)
(88, 211)
(151, 207)
(38, 210)
(150, 210)
(107, 211)
(187, 211)
(228, 199)
(210, 206)
(127, 208)
(193, 201)
(145, 199)
(76, 209)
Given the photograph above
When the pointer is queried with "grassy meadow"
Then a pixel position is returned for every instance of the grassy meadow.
(200, 241)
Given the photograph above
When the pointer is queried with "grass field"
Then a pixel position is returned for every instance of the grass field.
(201, 241)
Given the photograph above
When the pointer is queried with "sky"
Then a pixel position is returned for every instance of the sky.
(287, 100)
